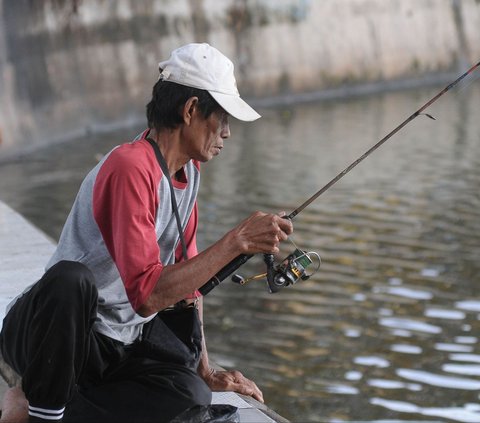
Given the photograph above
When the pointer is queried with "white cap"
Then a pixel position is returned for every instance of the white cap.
(203, 66)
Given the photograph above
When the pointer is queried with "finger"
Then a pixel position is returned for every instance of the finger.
(257, 393)
(282, 236)
(249, 388)
(257, 215)
(223, 381)
(286, 226)
(270, 245)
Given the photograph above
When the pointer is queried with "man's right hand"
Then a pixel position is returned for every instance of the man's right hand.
(262, 233)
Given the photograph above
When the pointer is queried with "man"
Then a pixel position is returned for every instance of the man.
(97, 338)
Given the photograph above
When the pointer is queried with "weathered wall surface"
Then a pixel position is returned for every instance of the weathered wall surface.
(72, 66)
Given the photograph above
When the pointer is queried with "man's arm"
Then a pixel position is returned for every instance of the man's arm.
(219, 380)
(259, 233)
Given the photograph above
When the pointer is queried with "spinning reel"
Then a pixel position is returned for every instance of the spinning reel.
(288, 272)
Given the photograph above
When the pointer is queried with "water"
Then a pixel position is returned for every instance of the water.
(388, 328)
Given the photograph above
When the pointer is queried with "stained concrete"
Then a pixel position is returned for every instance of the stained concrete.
(69, 68)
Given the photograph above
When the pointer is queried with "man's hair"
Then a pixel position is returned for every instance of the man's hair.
(168, 98)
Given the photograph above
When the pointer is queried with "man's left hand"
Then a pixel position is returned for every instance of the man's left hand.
(232, 381)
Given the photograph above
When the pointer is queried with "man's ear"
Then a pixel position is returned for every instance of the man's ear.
(189, 108)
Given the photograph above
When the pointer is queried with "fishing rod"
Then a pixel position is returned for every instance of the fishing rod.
(293, 267)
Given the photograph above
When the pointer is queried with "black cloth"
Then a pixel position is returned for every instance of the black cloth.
(47, 337)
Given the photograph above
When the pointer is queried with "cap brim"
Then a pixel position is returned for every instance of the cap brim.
(235, 106)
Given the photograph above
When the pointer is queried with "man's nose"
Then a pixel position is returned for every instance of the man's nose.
(225, 132)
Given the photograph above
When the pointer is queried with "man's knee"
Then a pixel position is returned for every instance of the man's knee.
(70, 270)
(199, 391)
(69, 280)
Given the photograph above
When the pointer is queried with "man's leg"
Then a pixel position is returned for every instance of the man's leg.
(142, 390)
(131, 384)
(45, 337)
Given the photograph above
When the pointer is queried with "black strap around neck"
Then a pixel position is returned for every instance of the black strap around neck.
(166, 172)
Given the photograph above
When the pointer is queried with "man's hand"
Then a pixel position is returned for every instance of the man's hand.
(262, 233)
(232, 381)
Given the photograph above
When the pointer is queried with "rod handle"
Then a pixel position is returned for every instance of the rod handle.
(224, 272)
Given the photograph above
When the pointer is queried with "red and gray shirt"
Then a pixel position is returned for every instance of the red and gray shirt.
(122, 227)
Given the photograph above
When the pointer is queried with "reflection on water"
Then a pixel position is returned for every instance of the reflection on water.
(388, 328)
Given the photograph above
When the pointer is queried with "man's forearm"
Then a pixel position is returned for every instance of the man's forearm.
(179, 280)
(259, 233)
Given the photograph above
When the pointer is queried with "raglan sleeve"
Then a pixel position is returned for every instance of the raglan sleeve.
(125, 201)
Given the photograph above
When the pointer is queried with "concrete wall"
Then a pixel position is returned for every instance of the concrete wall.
(68, 67)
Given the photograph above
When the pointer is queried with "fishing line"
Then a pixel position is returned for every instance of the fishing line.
(466, 83)
(463, 91)
(292, 241)
(461, 98)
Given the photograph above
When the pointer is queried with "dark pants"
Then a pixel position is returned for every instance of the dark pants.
(47, 338)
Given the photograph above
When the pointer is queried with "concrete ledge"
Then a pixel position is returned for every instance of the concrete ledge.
(24, 251)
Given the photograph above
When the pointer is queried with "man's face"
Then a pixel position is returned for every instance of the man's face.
(208, 135)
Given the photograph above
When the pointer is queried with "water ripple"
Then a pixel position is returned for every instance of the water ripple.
(466, 414)
(406, 349)
(468, 305)
(442, 346)
(439, 380)
(409, 324)
(372, 361)
(474, 358)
